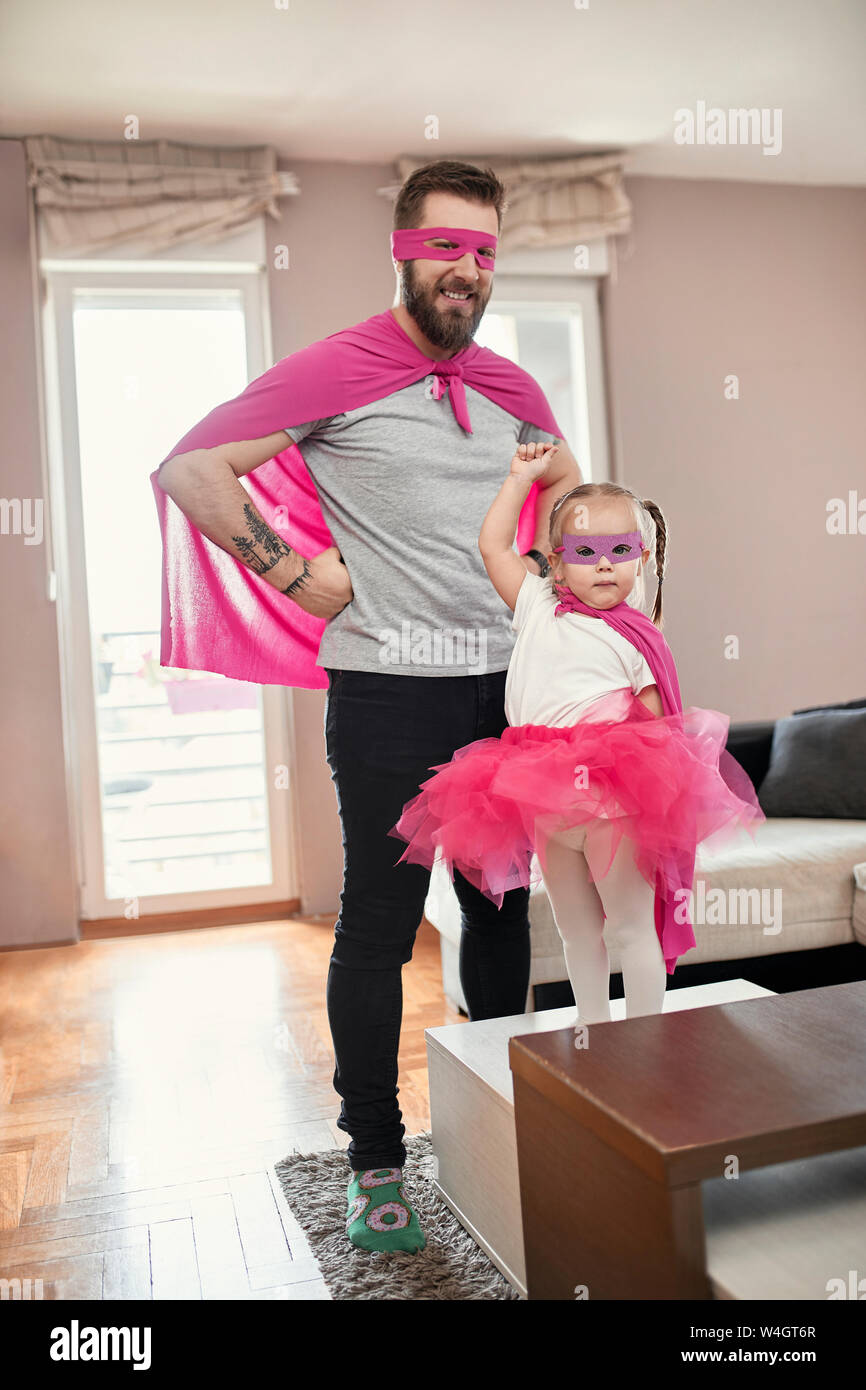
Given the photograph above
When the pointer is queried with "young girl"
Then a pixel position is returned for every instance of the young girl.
(601, 772)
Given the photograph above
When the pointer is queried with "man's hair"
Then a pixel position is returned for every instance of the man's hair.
(447, 176)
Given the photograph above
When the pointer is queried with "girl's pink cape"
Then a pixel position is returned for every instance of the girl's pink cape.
(218, 615)
(672, 913)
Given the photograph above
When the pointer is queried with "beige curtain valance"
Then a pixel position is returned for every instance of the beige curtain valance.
(95, 194)
(552, 202)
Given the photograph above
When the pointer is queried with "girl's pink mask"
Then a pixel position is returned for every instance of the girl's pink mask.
(410, 244)
(598, 546)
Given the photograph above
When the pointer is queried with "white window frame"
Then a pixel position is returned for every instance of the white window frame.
(67, 582)
(563, 296)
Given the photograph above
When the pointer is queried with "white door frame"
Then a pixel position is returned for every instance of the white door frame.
(69, 582)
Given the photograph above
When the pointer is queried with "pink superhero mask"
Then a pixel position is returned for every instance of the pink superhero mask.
(598, 546)
(410, 244)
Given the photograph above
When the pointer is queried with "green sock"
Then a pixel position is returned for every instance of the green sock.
(379, 1216)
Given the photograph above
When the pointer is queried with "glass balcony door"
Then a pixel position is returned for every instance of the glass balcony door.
(181, 778)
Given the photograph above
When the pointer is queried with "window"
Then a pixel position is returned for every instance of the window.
(550, 325)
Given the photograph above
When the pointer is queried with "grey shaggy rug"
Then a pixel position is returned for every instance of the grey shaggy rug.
(451, 1265)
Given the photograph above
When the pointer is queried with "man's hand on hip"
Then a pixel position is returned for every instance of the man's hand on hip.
(320, 586)
(205, 484)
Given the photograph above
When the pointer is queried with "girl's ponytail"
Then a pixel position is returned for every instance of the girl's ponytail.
(661, 547)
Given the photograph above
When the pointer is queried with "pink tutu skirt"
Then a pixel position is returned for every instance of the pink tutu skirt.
(666, 783)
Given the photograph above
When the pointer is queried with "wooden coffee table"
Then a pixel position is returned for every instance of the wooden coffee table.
(615, 1140)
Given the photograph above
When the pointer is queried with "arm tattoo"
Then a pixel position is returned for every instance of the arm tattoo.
(260, 534)
(298, 583)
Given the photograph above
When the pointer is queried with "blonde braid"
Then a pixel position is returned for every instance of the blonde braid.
(657, 515)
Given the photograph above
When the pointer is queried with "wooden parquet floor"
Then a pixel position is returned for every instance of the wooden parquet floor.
(147, 1086)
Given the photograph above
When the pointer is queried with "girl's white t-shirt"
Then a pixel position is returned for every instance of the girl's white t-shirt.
(559, 666)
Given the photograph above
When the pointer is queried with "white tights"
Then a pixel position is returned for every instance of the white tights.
(579, 908)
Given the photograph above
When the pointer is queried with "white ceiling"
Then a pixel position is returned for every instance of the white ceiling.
(354, 80)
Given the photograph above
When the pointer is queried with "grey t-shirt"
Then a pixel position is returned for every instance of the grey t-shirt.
(404, 490)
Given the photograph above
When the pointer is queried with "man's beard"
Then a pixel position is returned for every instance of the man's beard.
(451, 332)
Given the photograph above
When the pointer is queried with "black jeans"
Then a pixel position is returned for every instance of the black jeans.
(383, 734)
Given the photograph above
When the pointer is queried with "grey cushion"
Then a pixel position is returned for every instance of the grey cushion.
(751, 745)
(845, 704)
(818, 766)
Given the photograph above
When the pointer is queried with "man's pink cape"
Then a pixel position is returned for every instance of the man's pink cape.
(218, 615)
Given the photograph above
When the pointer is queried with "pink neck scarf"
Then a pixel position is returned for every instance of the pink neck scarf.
(217, 615)
(642, 632)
